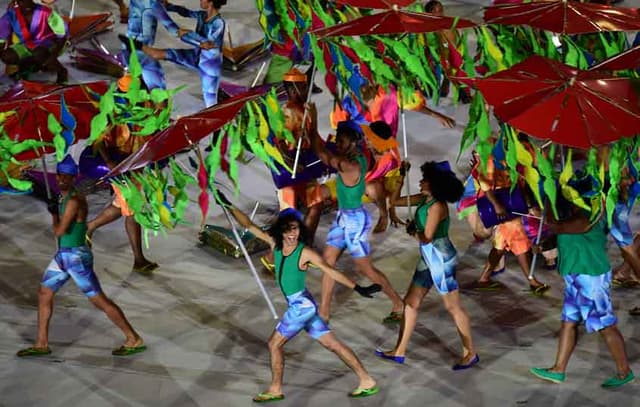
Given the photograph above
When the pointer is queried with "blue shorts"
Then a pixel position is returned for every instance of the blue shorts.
(76, 263)
(437, 266)
(302, 314)
(350, 230)
(620, 227)
(587, 299)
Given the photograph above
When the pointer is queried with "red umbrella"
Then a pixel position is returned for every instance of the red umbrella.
(85, 27)
(33, 102)
(565, 16)
(382, 4)
(629, 59)
(393, 22)
(549, 100)
(186, 131)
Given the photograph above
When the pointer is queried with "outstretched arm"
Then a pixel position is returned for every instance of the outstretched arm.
(245, 221)
(309, 255)
(160, 13)
(183, 11)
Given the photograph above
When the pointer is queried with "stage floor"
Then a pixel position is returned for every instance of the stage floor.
(206, 324)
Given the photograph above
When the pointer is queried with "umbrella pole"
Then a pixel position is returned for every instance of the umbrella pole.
(535, 254)
(406, 156)
(73, 9)
(255, 81)
(44, 168)
(250, 263)
(304, 123)
(253, 215)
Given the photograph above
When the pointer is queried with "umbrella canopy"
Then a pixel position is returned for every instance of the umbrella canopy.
(31, 104)
(629, 59)
(549, 100)
(186, 131)
(381, 4)
(86, 26)
(393, 22)
(565, 16)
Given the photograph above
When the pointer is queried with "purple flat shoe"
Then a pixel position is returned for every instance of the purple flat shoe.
(471, 363)
(397, 359)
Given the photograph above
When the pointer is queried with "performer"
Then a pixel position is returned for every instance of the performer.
(206, 57)
(586, 271)
(286, 238)
(74, 260)
(41, 34)
(143, 22)
(117, 144)
(351, 228)
(436, 267)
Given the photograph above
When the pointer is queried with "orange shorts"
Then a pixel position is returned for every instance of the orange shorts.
(511, 236)
(119, 202)
(310, 194)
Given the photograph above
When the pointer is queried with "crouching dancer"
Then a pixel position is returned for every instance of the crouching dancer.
(292, 258)
(74, 260)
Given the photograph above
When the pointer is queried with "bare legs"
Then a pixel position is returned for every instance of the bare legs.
(494, 258)
(134, 233)
(102, 302)
(375, 191)
(330, 342)
(364, 266)
(611, 336)
(452, 303)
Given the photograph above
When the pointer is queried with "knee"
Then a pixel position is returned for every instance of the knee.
(274, 345)
(45, 294)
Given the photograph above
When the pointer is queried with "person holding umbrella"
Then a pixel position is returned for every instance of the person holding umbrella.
(74, 260)
(292, 258)
(585, 268)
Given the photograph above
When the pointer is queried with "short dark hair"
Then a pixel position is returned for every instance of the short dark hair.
(431, 5)
(381, 129)
(443, 183)
(217, 4)
(350, 130)
(281, 225)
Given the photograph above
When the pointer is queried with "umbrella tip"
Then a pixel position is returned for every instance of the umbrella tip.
(395, 7)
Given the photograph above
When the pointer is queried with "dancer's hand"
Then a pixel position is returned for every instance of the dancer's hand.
(182, 32)
(405, 166)
(368, 290)
(411, 228)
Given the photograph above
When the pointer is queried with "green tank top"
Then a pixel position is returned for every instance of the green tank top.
(289, 276)
(351, 197)
(75, 234)
(584, 253)
(421, 220)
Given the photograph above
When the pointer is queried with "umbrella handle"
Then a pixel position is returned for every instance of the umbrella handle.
(406, 155)
(250, 263)
(304, 121)
(535, 255)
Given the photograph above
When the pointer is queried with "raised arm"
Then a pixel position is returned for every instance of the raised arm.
(183, 11)
(579, 223)
(327, 157)
(245, 221)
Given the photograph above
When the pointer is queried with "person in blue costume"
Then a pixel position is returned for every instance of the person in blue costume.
(207, 38)
(584, 265)
(74, 260)
(144, 16)
(350, 230)
(292, 258)
(438, 258)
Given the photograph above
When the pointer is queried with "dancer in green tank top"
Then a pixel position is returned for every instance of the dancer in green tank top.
(350, 230)
(75, 260)
(437, 264)
(292, 258)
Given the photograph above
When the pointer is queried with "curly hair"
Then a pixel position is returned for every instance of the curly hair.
(281, 226)
(443, 183)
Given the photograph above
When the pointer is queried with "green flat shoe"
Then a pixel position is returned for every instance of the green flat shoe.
(394, 317)
(31, 351)
(267, 397)
(128, 350)
(617, 381)
(545, 374)
(358, 393)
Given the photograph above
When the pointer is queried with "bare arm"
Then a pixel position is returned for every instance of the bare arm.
(309, 255)
(444, 120)
(576, 225)
(62, 223)
(244, 220)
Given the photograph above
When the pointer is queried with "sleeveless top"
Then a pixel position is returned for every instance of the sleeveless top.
(351, 197)
(75, 234)
(289, 276)
(421, 220)
(584, 253)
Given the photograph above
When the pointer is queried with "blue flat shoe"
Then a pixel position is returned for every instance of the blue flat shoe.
(397, 359)
(497, 272)
(472, 362)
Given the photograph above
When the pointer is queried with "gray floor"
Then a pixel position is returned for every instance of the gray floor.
(206, 324)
